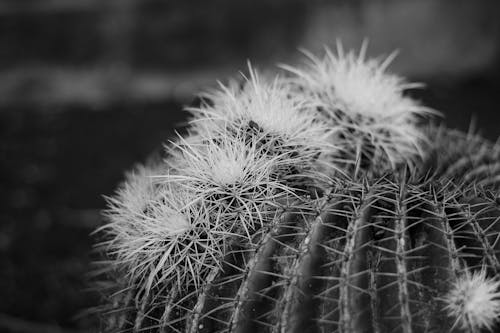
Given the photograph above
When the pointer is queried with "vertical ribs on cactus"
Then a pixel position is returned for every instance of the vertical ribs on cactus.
(317, 201)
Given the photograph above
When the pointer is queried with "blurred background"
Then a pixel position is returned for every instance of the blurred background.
(88, 88)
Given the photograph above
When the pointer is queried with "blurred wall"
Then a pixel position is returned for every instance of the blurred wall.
(435, 37)
(145, 33)
(94, 51)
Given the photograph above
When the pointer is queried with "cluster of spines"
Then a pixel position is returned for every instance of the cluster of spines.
(235, 220)
(378, 123)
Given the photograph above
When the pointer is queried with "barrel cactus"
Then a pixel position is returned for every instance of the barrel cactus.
(321, 200)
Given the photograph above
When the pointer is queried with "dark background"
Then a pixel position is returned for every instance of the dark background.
(90, 87)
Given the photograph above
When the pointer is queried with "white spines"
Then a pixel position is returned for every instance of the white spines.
(271, 105)
(271, 114)
(234, 179)
(365, 102)
(474, 301)
(157, 235)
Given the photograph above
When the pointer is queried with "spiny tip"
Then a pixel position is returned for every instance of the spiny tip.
(474, 301)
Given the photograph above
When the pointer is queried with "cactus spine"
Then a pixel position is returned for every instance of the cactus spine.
(315, 202)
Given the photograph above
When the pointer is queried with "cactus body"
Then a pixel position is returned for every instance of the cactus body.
(372, 257)
(325, 218)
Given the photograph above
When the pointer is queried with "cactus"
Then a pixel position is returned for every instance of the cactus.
(318, 201)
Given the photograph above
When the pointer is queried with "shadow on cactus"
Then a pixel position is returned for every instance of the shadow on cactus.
(321, 200)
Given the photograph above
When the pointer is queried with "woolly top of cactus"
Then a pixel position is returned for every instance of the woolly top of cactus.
(135, 194)
(474, 301)
(270, 108)
(226, 165)
(159, 235)
(358, 85)
(360, 97)
(269, 104)
(221, 163)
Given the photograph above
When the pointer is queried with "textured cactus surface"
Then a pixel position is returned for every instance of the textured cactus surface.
(322, 200)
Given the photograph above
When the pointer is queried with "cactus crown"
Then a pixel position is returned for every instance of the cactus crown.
(474, 301)
(315, 201)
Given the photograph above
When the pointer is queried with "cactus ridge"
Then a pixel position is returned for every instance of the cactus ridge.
(326, 218)
(367, 256)
(464, 157)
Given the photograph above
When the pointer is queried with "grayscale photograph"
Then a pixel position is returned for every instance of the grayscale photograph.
(237, 166)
